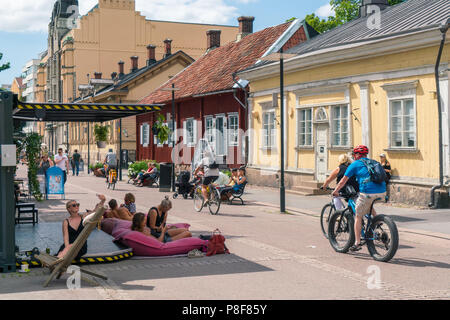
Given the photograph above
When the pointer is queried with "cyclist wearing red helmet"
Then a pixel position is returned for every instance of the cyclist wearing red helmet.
(368, 190)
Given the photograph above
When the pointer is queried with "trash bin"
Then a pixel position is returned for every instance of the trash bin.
(165, 177)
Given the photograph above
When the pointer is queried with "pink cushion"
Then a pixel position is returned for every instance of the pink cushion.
(143, 245)
(148, 246)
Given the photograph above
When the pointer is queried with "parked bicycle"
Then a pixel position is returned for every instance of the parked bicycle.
(214, 200)
(379, 233)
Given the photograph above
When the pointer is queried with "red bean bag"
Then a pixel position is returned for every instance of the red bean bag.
(143, 245)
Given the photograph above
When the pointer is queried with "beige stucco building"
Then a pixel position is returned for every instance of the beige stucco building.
(113, 31)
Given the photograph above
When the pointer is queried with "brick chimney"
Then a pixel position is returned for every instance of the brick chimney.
(121, 69)
(97, 75)
(213, 39)
(366, 7)
(245, 27)
(168, 47)
(134, 63)
(151, 57)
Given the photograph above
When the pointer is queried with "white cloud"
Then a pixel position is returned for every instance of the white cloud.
(325, 11)
(31, 16)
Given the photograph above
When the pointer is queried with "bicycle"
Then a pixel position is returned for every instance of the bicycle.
(329, 209)
(111, 179)
(214, 199)
(379, 233)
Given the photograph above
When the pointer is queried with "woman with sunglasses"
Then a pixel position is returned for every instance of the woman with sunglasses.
(73, 226)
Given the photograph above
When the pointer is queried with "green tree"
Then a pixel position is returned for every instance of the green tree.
(4, 66)
(344, 10)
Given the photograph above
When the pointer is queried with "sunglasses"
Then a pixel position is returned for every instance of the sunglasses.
(75, 205)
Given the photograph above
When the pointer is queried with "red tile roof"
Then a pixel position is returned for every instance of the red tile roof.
(213, 71)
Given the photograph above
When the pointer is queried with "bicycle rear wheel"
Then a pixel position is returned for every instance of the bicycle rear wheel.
(383, 238)
(341, 231)
(327, 211)
(214, 201)
(198, 199)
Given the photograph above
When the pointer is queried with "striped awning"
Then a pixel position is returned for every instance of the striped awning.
(79, 112)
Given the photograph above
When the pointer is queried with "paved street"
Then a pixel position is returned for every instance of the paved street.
(273, 255)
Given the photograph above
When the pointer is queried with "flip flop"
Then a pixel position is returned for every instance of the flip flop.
(355, 248)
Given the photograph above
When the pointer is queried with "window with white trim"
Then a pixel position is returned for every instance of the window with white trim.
(233, 130)
(145, 134)
(190, 133)
(402, 123)
(340, 126)
(209, 130)
(173, 133)
(305, 131)
(269, 130)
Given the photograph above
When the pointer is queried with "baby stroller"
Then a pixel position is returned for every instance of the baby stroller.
(184, 186)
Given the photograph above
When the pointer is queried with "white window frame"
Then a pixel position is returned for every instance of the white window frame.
(210, 131)
(225, 134)
(332, 127)
(299, 112)
(190, 143)
(403, 133)
(401, 91)
(273, 133)
(232, 142)
(145, 138)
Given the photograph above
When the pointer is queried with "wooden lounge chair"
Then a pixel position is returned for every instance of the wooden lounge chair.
(58, 266)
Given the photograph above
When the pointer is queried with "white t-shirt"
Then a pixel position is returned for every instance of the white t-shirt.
(62, 164)
(209, 172)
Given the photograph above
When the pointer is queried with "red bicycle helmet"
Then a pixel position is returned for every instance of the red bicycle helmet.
(361, 150)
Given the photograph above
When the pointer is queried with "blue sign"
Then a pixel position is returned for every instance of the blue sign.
(55, 181)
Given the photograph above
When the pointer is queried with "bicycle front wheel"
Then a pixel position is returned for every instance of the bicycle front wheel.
(198, 199)
(214, 202)
(341, 231)
(327, 211)
(383, 238)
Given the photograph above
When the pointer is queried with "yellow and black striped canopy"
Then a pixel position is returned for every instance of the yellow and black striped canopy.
(79, 112)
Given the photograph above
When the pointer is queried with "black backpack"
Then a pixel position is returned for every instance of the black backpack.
(376, 171)
(214, 165)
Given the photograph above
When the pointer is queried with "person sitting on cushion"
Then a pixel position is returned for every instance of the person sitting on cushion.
(156, 221)
(130, 203)
(140, 225)
(118, 212)
(73, 226)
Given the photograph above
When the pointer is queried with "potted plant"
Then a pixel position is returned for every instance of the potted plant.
(101, 135)
(161, 129)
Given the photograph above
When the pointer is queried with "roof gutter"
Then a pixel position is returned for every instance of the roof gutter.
(433, 203)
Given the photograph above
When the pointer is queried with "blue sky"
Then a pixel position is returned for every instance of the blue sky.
(23, 27)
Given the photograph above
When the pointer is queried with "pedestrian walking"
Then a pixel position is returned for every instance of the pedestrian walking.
(76, 158)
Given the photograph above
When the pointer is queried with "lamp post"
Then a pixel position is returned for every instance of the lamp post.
(281, 57)
(173, 89)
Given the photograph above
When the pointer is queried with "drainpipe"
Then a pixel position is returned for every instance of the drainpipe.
(432, 203)
(245, 106)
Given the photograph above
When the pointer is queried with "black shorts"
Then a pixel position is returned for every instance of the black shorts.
(207, 180)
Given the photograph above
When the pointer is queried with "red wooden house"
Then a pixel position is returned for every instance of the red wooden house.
(209, 102)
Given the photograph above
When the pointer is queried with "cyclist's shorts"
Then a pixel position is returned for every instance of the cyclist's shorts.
(207, 180)
(364, 202)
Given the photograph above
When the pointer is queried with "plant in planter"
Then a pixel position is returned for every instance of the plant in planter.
(161, 129)
(101, 135)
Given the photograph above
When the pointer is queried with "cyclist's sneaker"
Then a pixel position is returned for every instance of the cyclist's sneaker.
(355, 248)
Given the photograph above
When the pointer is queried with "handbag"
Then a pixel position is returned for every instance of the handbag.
(216, 245)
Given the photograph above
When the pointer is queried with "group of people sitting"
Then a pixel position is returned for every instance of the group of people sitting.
(153, 224)
(151, 173)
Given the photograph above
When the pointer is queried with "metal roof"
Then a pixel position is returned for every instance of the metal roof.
(403, 18)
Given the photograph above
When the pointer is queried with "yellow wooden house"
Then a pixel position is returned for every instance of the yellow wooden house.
(371, 81)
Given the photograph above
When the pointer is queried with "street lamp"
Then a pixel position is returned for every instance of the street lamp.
(173, 89)
(280, 57)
